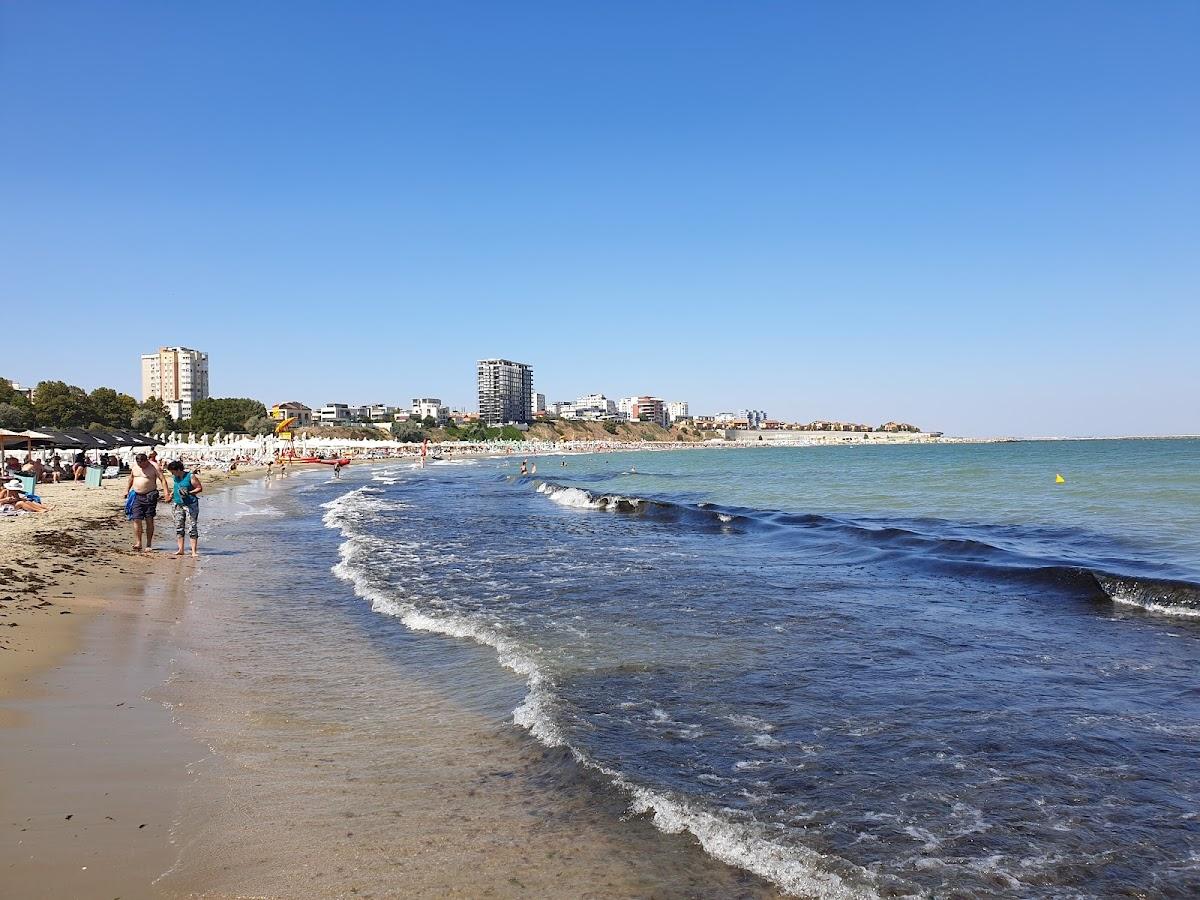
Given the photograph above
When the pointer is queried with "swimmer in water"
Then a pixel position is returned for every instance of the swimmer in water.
(524, 467)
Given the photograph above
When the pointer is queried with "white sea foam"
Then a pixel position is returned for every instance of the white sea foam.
(1187, 612)
(570, 496)
(794, 868)
(766, 741)
(741, 720)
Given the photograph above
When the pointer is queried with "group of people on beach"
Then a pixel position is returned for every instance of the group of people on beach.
(183, 487)
(53, 470)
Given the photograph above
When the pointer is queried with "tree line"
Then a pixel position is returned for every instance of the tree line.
(57, 405)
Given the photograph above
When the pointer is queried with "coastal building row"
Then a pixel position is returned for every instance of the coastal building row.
(599, 408)
(348, 414)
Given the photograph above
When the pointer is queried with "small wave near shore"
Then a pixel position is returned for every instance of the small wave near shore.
(794, 869)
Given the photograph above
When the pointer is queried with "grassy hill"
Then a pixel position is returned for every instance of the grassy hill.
(554, 430)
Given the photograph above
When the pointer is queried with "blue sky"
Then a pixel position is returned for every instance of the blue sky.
(980, 217)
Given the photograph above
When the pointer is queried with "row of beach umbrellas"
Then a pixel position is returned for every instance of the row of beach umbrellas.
(76, 439)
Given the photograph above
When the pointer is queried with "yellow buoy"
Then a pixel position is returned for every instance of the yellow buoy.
(1058, 479)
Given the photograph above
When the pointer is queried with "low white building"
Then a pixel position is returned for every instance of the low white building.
(597, 402)
(432, 408)
(333, 414)
(590, 407)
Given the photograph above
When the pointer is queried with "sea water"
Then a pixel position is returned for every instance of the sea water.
(854, 671)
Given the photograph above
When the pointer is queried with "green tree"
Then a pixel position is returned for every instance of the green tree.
(224, 414)
(429, 422)
(14, 397)
(259, 425)
(511, 433)
(409, 432)
(60, 405)
(475, 431)
(111, 409)
(13, 417)
(149, 414)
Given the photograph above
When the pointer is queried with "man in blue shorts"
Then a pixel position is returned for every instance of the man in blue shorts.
(144, 477)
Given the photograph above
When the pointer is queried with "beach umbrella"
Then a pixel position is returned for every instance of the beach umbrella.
(29, 438)
(11, 438)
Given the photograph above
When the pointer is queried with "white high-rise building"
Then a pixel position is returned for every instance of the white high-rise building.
(178, 376)
(538, 402)
(676, 410)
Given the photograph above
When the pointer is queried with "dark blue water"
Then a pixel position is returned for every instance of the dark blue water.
(832, 671)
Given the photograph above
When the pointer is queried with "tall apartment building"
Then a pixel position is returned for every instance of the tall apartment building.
(177, 376)
(538, 403)
(505, 391)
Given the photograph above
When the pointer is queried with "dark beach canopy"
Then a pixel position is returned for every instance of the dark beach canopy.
(76, 439)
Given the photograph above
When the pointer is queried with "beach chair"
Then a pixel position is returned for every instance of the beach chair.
(93, 476)
(111, 472)
(28, 484)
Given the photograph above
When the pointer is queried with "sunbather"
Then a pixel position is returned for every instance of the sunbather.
(12, 496)
(33, 467)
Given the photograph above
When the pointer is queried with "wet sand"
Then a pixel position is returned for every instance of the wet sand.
(203, 745)
(93, 771)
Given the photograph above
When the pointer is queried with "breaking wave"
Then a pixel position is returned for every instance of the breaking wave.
(913, 543)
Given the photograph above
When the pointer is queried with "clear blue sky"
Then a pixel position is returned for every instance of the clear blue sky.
(980, 217)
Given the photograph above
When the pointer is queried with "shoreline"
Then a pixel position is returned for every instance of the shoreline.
(136, 766)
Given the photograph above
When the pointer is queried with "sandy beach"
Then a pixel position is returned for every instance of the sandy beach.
(91, 769)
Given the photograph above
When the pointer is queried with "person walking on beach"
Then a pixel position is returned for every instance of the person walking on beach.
(144, 477)
(337, 470)
(184, 487)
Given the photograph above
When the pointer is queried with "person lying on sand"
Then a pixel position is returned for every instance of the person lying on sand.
(13, 497)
